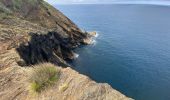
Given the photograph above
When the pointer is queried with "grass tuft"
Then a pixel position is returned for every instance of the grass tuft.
(43, 76)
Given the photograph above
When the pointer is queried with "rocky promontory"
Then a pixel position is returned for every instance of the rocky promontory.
(33, 32)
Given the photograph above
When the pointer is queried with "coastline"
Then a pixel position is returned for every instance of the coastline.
(29, 40)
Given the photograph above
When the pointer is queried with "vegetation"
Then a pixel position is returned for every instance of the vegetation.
(3, 9)
(32, 2)
(17, 4)
(43, 76)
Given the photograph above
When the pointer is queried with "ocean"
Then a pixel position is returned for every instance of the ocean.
(132, 50)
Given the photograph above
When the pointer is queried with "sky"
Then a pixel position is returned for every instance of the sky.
(166, 2)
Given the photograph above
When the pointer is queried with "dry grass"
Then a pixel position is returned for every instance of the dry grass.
(63, 87)
(43, 76)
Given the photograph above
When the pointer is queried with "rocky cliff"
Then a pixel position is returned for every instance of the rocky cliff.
(33, 32)
(38, 31)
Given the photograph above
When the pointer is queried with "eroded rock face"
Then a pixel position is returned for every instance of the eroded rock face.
(45, 48)
(38, 31)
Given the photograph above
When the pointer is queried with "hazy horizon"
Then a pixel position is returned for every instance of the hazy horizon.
(159, 2)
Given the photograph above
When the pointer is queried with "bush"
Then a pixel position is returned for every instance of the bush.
(43, 76)
(4, 9)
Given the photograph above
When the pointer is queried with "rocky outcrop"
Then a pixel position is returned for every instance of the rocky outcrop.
(29, 23)
(90, 38)
(33, 32)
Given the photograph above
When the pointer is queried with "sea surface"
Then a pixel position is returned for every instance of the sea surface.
(132, 51)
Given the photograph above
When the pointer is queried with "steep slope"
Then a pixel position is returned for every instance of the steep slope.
(33, 32)
(40, 21)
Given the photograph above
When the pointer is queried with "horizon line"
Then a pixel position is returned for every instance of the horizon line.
(163, 4)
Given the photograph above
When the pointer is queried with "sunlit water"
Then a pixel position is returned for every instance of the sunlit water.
(132, 51)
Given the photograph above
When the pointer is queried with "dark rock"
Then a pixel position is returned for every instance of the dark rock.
(44, 48)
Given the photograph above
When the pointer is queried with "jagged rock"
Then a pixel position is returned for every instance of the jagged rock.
(88, 41)
(90, 38)
(92, 34)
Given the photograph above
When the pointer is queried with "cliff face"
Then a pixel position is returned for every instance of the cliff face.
(33, 32)
(38, 31)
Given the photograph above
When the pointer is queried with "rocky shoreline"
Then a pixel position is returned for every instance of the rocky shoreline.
(33, 32)
(90, 36)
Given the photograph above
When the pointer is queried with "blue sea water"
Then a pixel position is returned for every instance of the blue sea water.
(132, 51)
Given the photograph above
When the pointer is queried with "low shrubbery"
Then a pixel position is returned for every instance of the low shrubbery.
(4, 9)
(43, 76)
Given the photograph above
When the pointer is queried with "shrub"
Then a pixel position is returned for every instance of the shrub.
(4, 9)
(16, 4)
(43, 76)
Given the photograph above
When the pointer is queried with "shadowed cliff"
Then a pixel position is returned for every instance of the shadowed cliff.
(49, 36)
(45, 48)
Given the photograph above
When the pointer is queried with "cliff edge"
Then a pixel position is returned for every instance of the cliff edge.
(33, 32)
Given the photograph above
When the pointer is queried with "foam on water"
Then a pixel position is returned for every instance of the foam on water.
(76, 55)
(94, 38)
(93, 42)
(97, 34)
